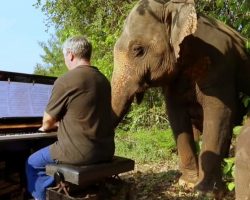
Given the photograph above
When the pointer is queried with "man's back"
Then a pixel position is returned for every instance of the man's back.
(81, 99)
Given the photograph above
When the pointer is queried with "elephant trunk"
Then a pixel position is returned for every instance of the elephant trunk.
(123, 86)
(121, 100)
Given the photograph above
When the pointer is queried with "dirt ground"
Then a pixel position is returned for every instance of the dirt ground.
(160, 181)
(147, 182)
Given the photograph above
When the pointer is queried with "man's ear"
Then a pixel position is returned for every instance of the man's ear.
(182, 21)
(72, 56)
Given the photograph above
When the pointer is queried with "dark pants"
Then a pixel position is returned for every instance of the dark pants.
(37, 179)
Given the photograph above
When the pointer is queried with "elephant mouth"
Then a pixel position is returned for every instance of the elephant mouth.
(139, 94)
(139, 97)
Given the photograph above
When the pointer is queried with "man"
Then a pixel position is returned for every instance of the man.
(80, 105)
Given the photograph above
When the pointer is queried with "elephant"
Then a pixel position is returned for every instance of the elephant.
(201, 65)
(242, 163)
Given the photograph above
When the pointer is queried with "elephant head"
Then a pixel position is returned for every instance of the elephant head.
(146, 53)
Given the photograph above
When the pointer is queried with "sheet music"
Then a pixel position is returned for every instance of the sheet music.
(23, 99)
(37, 91)
(3, 98)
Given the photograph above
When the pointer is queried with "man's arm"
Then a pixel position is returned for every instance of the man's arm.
(49, 123)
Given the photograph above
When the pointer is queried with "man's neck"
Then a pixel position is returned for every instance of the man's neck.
(79, 62)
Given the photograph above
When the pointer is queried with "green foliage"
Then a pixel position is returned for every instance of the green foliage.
(246, 101)
(236, 130)
(228, 166)
(100, 21)
(150, 114)
(228, 171)
(145, 146)
(235, 13)
(53, 57)
(248, 45)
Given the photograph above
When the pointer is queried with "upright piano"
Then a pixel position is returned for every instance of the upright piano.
(23, 98)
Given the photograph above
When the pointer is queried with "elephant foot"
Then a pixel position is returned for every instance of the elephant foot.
(188, 179)
(186, 184)
(216, 190)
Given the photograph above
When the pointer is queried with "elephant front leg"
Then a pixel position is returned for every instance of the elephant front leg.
(188, 163)
(182, 129)
(216, 139)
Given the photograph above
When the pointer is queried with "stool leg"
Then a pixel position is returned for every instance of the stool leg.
(61, 184)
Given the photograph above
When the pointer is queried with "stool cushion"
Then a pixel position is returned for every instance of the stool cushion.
(86, 174)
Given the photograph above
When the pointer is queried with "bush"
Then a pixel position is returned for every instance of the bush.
(151, 113)
(145, 146)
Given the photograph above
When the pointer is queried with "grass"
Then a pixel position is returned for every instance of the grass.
(145, 146)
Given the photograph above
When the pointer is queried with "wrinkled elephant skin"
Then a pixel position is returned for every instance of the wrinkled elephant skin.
(242, 163)
(200, 63)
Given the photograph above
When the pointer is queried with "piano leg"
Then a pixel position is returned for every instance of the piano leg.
(13, 156)
(13, 180)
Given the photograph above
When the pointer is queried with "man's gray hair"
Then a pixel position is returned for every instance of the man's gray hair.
(78, 46)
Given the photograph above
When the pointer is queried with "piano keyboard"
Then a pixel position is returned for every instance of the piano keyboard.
(21, 136)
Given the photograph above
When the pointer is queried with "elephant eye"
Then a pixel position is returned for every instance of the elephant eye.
(138, 50)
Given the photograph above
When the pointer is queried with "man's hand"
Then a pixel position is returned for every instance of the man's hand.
(41, 129)
(49, 123)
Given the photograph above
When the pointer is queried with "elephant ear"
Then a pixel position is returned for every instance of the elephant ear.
(183, 18)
